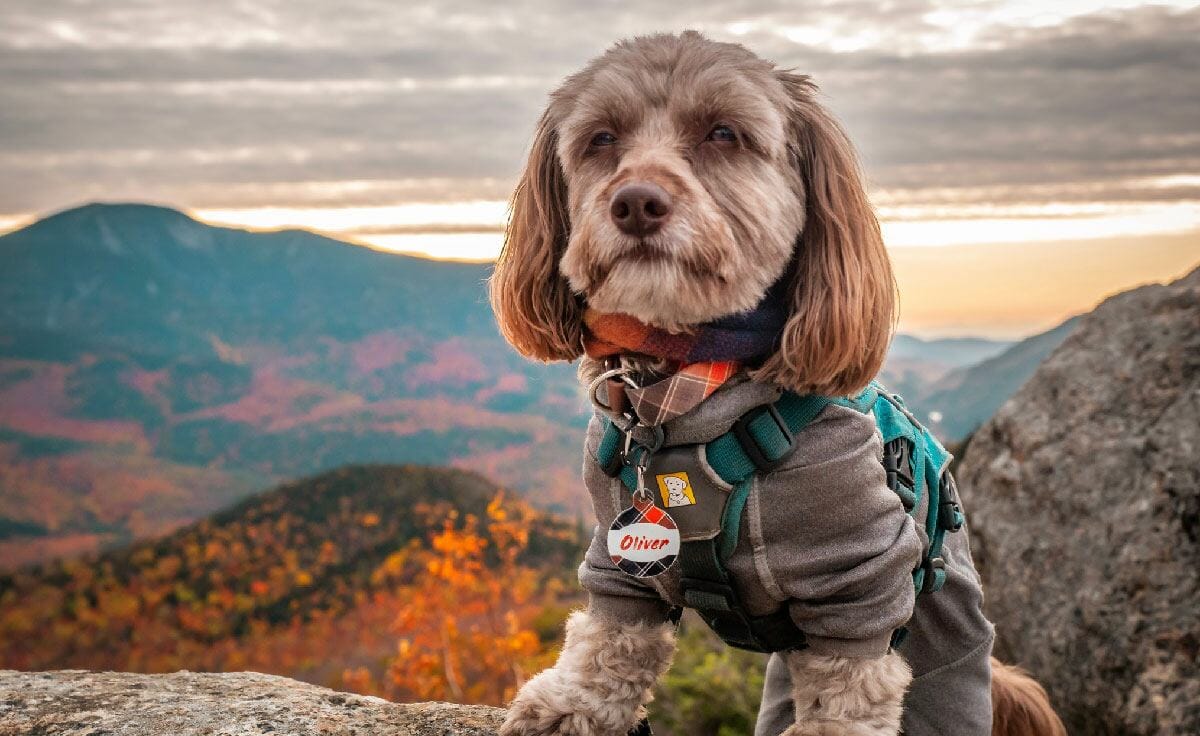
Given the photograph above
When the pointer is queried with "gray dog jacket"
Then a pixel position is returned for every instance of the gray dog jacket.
(823, 535)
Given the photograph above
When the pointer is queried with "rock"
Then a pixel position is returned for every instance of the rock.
(1083, 494)
(185, 703)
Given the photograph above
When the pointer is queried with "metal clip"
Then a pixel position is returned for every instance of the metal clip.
(642, 493)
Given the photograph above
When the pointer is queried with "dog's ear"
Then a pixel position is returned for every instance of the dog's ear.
(842, 296)
(535, 308)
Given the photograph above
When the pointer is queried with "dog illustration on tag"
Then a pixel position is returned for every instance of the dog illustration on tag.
(676, 489)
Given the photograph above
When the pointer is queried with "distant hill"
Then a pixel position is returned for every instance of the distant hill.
(915, 365)
(318, 556)
(949, 351)
(964, 398)
(153, 369)
(153, 280)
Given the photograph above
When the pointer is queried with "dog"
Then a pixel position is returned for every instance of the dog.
(673, 185)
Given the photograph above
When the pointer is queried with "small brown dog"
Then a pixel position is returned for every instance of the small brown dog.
(676, 182)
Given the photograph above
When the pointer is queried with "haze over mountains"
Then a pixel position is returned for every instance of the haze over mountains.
(154, 369)
(914, 364)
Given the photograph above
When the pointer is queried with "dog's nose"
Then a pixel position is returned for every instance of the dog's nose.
(640, 208)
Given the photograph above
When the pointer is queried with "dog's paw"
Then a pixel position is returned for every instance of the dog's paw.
(536, 719)
(554, 704)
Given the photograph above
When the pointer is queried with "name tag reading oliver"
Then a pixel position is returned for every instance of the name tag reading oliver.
(643, 541)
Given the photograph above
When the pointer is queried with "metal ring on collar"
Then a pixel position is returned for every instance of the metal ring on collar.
(598, 381)
(641, 450)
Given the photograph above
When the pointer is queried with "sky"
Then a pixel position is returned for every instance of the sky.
(1059, 141)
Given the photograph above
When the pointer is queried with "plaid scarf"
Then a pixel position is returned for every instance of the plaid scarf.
(705, 357)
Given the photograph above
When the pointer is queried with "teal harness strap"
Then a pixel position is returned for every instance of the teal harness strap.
(759, 441)
(929, 476)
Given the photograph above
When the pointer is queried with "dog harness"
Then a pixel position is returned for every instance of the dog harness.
(915, 463)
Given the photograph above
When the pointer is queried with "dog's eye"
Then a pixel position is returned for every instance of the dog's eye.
(603, 138)
(722, 134)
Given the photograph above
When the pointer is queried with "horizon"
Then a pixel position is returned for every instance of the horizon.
(927, 281)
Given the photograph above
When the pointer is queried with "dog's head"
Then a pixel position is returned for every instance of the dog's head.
(675, 179)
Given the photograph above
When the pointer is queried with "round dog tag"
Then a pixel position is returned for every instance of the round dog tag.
(643, 540)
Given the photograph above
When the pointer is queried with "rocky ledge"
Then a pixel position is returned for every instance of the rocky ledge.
(238, 703)
(1083, 495)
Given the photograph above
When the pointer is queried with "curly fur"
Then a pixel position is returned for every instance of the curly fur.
(601, 683)
(847, 696)
(785, 200)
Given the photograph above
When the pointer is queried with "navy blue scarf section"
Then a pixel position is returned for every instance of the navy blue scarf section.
(742, 338)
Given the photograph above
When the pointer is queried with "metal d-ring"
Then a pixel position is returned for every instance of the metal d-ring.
(599, 380)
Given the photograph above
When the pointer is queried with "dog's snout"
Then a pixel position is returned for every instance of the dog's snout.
(640, 208)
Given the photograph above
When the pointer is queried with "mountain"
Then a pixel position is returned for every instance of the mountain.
(1083, 496)
(956, 403)
(152, 280)
(950, 351)
(154, 369)
(305, 579)
(914, 365)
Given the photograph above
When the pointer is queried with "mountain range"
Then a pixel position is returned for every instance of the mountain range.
(155, 369)
(964, 398)
(914, 365)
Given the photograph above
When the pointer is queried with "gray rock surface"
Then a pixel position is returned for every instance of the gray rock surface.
(1083, 494)
(233, 704)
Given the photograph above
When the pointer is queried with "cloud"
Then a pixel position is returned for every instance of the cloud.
(229, 105)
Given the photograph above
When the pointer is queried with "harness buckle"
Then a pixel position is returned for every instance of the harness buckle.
(750, 445)
(950, 513)
(934, 569)
(614, 434)
(951, 516)
(897, 464)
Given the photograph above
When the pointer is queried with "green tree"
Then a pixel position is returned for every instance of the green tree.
(711, 690)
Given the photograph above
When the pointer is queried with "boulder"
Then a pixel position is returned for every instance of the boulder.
(1083, 495)
(236, 703)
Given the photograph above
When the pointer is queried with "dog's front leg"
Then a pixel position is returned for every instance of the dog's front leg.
(847, 696)
(600, 684)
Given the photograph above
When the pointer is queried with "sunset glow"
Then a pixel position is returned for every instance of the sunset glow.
(1054, 142)
(474, 230)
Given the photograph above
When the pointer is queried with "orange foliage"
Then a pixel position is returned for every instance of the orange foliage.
(428, 603)
(465, 625)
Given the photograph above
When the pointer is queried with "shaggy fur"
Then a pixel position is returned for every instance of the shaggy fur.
(785, 198)
(600, 684)
(844, 696)
(763, 185)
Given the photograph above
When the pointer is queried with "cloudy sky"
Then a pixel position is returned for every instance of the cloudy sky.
(402, 125)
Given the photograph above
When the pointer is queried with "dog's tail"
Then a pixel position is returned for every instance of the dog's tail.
(1020, 706)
